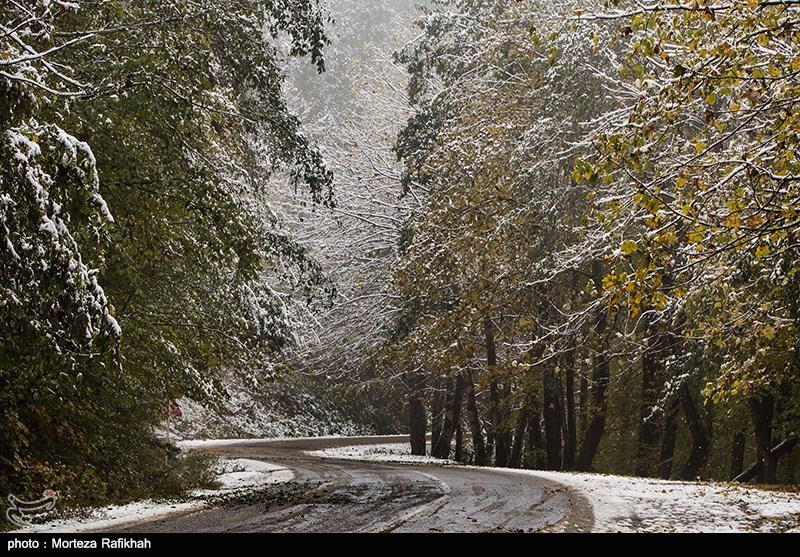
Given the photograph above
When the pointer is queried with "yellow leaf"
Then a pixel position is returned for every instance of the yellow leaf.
(629, 247)
(733, 221)
(762, 251)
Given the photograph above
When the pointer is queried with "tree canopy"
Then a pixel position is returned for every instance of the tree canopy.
(170, 117)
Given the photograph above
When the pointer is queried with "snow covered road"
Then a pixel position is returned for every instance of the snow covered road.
(355, 496)
(629, 504)
(371, 484)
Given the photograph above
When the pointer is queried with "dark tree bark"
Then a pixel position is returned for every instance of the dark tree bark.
(535, 440)
(447, 409)
(475, 426)
(667, 453)
(552, 418)
(515, 459)
(417, 419)
(505, 431)
(598, 412)
(783, 448)
(437, 416)
(459, 450)
(648, 440)
(737, 454)
(571, 438)
(583, 405)
(762, 409)
(498, 420)
(451, 417)
(701, 442)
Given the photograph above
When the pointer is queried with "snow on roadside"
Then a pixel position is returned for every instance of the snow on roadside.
(389, 452)
(234, 475)
(238, 474)
(626, 504)
(207, 443)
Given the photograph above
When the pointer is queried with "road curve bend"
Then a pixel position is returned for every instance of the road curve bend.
(355, 496)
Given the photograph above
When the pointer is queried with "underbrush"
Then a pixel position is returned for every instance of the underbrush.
(156, 471)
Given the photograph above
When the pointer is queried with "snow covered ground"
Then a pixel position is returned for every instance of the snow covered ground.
(234, 475)
(210, 443)
(619, 504)
(625, 504)
(390, 452)
(272, 410)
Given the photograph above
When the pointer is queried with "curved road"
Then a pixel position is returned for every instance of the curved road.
(354, 496)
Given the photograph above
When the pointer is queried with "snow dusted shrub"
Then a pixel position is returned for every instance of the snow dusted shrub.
(58, 336)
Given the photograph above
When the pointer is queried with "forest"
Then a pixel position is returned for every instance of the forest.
(551, 234)
(605, 270)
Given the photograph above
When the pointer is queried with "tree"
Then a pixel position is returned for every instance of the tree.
(704, 173)
(496, 163)
(178, 116)
(641, 151)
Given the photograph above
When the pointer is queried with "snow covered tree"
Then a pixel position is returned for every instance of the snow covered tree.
(495, 138)
(704, 179)
(353, 112)
(175, 118)
(59, 338)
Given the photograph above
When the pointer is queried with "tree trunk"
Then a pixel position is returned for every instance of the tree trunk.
(475, 425)
(417, 419)
(648, 440)
(498, 421)
(700, 440)
(535, 441)
(784, 447)
(447, 407)
(459, 451)
(515, 459)
(762, 409)
(437, 416)
(571, 439)
(505, 431)
(667, 453)
(500, 448)
(583, 405)
(600, 380)
(451, 417)
(552, 418)
(737, 454)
